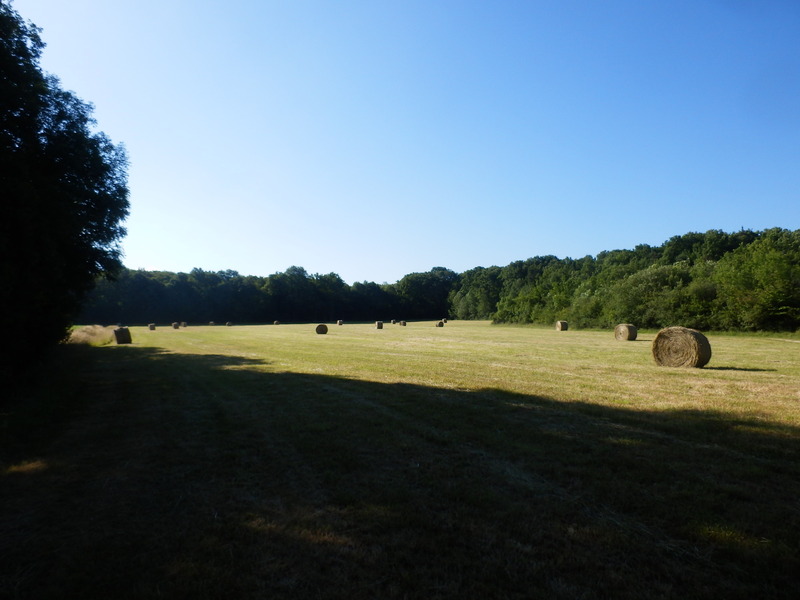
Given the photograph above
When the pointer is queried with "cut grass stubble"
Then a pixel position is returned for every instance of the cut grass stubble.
(464, 461)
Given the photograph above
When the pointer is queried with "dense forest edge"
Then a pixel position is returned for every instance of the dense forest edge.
(741, 281)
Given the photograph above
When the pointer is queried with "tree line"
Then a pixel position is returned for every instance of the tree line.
(746, 280)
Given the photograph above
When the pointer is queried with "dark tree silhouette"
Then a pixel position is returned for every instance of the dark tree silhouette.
(65, 195)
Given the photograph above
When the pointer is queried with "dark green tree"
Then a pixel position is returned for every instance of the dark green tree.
(759, 284)
(425, 295)
(64, 192)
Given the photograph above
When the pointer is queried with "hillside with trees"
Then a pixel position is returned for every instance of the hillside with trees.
(746, 280)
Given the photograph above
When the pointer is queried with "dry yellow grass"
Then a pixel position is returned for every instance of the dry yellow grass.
(94, 335)
(469, 461)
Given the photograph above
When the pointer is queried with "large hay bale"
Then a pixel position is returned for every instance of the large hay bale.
(229, 324)
(276, 322)
(183, 323)
(562, 325)
(322, 329)
(625, 332)
(211, 323)
(176, 325)
(440, 323)
(122, 335)
(378, 324)
(681, 347)
(340, 322)
(444, 320)
(151, 326)
(402, 323)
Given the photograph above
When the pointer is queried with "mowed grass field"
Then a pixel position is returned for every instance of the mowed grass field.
(468, 461)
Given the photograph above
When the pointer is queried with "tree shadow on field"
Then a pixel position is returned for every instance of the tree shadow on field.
(189, 476)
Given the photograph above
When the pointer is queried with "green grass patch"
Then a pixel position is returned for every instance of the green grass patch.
(469, 461)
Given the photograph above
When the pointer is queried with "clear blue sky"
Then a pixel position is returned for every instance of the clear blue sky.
(375, 139)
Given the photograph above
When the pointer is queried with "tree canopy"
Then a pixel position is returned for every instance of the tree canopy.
(714, 280)
(64, 189)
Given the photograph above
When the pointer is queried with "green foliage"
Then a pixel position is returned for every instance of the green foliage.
(747, 280)
(743, 280)
(64, 194)
(759, 284)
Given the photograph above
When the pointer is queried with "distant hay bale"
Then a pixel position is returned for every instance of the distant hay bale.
(176, 325)
(625, 332)
(151, 326)
(229, 324)
(322, 329)
(562, 325)
(440, 323)
(394, 321)
(211, 323)
(122, 335)
(276, 322)
(340, 322)
(444, 320)
(402, 323)
(183, 323)
(681, 347)
(378, 324)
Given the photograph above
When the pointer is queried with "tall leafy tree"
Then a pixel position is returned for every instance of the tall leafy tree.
(64, 191)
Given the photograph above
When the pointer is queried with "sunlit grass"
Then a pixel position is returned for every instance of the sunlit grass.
(469, 461)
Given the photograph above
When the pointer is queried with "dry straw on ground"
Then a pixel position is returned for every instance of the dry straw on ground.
(322, 329)
(681, 347)
(625, 332)
(562, 326)
(94, 335)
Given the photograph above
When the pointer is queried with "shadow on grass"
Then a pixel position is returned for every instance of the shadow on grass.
(191, 476)
(739, 369)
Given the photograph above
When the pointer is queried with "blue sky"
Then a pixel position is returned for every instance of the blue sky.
(376, 139)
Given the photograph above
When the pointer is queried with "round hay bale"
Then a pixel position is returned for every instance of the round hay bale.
(322, 329)
(562, 325)
(378, 324)
(229, 324)
(122, 335)
(440, 324)
(625, 332)
(444, 320)
(175, 325)
(276, 322)
(183, 323)
(402, 323)
(681, 347)
(340, 322)
(211, 323)
(151, 326)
